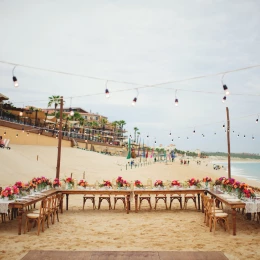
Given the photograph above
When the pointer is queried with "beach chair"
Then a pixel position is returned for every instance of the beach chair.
(6, 144)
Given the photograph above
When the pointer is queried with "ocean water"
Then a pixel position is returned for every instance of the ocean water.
(248, 170)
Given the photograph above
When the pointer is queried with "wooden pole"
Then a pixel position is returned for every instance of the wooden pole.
(228, 142)
(59, 140)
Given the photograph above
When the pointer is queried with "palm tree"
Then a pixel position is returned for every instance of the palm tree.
(94, 125)
(135, 129)
(138, 134)
(54, 100)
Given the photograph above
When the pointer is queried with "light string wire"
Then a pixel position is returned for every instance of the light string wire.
(141, 86)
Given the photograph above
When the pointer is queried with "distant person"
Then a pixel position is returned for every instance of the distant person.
(188, 162)
(2, 143)
(154, 159)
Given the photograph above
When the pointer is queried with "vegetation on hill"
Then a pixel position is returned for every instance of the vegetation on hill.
(234, 155)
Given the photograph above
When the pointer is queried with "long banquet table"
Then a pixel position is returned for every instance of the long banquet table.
(139, 192)
(126, 193)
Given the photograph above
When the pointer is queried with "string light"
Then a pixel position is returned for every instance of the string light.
(253, 137)
(21, 113)
(176, 99)
(257, 119)
(15, 79)
(4, 133)
(238, 135)
(224, 86)
(224, 99)
(244, 136)
(223, 126)
(107, 91)
(194, 131)
(135, 99)
(16, 135)
(170, 133)
(172, 140)
(27, 133)
(23, 130)
(188, 138)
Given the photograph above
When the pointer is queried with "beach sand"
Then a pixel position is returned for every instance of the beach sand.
(105, 229)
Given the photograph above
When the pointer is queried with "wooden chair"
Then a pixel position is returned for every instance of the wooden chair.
(57, 207)
(147, 197)
(207, 210)
(188, 197)
(175, 197)
(122, 198)
(214, 217)
(160, 197)
(37, 218)
(104, 197)
(91, 198)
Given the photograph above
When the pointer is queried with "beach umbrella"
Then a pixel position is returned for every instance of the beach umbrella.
(129, 149)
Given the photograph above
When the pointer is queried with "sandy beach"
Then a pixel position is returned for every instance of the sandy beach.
(105, 229)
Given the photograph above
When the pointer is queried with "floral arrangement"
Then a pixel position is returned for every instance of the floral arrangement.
(138, 184)
(83, 183)
(158, 183)
(248, 193)
(105, 184)
(219, 180)
(69, 180)
(120, 182)
(9, 192)
(207, 179)
(193, 182)
(175, 183)
(19, 184)
(56, 183)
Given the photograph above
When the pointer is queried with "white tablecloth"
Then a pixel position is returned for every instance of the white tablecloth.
(4, 205)
(252, 207)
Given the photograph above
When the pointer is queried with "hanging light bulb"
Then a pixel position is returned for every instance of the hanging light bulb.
(21, 113)
(107, 91)
(170, 133)
(226, 89)
(4, 133)
(15, 79)
(176, 99)
(23, 130)
(134, 101)
(224, 99)
(147, 136)
(194, 131)
(215, 133)
(244, 136)
(238, 135)
(56, 136)
(16, 135)
(178, 137)
(27, 133)
(155, 141)
(257, 119)
(71, 112)
(39, 133)
(172, 140)
(223, 126)
(253, 138)
(188, 138)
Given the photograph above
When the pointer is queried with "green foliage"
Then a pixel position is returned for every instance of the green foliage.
(234, 155)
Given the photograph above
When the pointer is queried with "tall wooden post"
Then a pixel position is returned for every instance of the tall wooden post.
(228, 142)
(59, 139)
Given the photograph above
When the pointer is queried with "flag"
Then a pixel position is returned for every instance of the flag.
(143, 150)
(129, 149)
(151, 156)
(146, 153)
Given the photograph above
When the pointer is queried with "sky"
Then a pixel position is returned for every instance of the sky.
(148, 43)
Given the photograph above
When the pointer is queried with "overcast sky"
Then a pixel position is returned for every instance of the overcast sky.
(145, 42)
